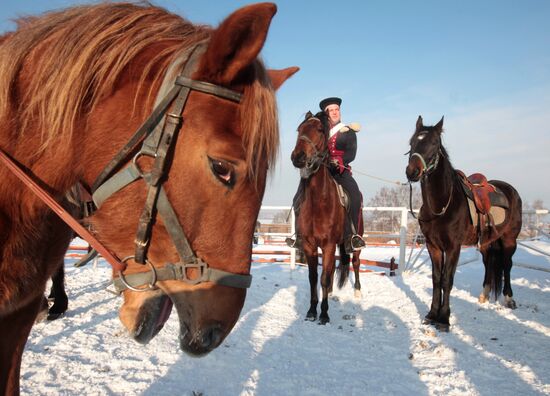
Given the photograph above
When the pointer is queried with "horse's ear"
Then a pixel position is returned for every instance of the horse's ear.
(419, 124)
(236, 43)
(309, 114)
(278, 77)
(439, 125)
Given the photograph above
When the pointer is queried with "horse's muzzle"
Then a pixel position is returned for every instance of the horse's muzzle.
(202, 341)
(413, 173)
(298, 159)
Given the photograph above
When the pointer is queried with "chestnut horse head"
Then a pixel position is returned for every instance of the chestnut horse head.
(74, 85)
(311, 146)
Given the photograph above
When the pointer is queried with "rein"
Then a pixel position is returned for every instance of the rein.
(158, 140)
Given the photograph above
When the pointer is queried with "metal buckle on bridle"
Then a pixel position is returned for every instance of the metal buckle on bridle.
(173, 118)
(135, 161)
(200, 265)
(149, 286)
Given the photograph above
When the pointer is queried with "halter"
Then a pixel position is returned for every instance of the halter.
(424, 173)
(427, 169)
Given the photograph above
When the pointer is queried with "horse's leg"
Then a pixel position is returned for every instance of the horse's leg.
(436, 257)
(14, 331)
(357, 284)
(326, 280)
(312, 263)
(58, 294)
(509, 248)
(448, 274)
(484, 295)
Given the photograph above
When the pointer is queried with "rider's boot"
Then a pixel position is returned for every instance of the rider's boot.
(354, 243)
(294, 243)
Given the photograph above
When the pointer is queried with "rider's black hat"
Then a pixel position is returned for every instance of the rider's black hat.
(328, 101)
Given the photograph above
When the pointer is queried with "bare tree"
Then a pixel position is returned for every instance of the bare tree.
(394, 197)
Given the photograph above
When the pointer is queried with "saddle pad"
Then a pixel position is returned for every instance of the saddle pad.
(342, 195)
(498, 213)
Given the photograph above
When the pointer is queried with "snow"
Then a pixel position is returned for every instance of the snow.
(374, 345)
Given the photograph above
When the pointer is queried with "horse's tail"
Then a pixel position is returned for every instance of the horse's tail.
(495, 267)
(343, 268)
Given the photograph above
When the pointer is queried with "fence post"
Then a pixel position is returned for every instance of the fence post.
(292, 232)
(402, 240)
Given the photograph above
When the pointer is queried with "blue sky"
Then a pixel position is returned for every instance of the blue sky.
(484, 65)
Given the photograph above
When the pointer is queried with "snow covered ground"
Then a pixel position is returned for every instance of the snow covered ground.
(373, 345)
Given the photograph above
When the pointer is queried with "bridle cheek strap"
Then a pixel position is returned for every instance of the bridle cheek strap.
(158, 144)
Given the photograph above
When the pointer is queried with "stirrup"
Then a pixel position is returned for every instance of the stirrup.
(294, 243)
(357, 243)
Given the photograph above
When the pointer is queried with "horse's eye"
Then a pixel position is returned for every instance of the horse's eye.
(223, 170)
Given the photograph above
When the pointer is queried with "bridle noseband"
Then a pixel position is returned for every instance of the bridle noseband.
(159, 139)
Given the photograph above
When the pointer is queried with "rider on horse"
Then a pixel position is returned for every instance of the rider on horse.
(342, 145)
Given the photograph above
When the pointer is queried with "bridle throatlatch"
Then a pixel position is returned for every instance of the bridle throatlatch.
(159, 134)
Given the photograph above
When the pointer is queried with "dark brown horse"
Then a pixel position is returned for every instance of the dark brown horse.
(321, 220)
(74, 86)
(446, 223)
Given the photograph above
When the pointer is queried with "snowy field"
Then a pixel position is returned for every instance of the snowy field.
(374, 345)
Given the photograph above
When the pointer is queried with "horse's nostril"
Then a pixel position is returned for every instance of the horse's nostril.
(298, 160)
(211, 337)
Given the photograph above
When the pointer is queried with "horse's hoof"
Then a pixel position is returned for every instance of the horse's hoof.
(311, 317)
(510, 303)
(442, 327)
(324, 321)
(428, 321)
(357, 294)
(482, 299)
(334, 298)
(56, 315)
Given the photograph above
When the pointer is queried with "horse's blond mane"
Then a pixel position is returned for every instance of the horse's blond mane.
(81, 52)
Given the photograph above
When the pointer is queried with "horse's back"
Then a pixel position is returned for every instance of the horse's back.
(514, 211)
(508, 190)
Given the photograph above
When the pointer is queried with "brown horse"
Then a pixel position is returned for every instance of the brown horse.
(74, 86)
(445, 222)
(321, 220)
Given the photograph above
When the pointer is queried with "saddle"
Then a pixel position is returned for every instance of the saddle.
(483, 193)
(342, 195)
(487, 203)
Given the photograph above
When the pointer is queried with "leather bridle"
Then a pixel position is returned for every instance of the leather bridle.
(158, 141)
(314, 161)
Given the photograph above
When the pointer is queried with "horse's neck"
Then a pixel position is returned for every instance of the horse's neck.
(321, 186)
(439, 185)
